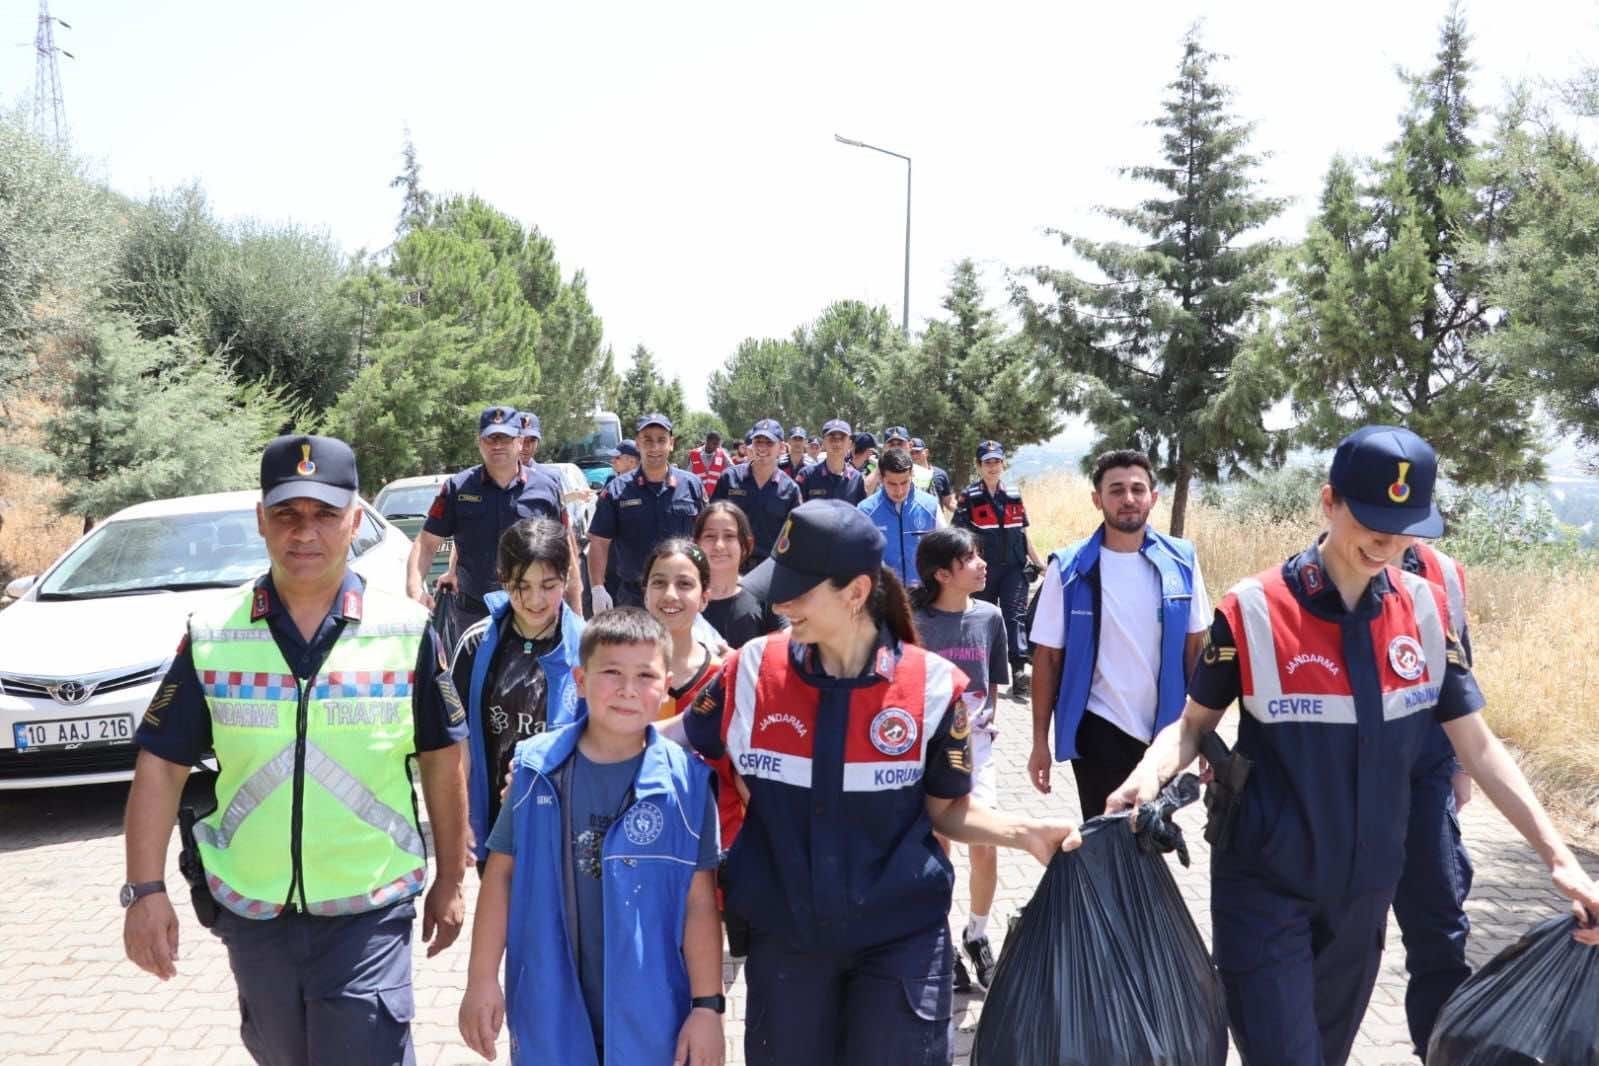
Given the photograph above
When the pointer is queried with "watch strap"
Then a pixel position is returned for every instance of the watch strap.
(718, 1003)
(134, 891)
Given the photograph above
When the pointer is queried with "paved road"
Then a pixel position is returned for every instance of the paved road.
(71, 996)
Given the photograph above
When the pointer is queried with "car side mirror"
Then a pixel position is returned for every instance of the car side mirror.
(17, 588)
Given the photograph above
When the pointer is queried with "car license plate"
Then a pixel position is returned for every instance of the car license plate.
(66, 733)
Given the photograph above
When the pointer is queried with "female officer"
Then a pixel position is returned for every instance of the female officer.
(1341, 662)
(853, 743)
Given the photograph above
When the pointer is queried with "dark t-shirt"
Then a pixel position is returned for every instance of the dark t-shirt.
(599, 794)
(741, 617)
(515, 704)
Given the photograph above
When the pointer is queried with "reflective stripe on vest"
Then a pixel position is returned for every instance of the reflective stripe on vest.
(1271, 693)
(360, 846)
(1447, 573)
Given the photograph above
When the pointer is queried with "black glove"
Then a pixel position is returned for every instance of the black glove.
(1030, 571)
(1156, 828)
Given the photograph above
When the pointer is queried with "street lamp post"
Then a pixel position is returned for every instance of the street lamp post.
(905, 312)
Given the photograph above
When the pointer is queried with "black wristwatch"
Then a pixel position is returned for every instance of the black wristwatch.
(717, 1003)
(134, 891)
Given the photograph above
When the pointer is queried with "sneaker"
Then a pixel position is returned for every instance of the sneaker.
(1021, 686)
(963, 980)
(982, 956)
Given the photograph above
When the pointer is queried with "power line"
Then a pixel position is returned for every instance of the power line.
(49, 110)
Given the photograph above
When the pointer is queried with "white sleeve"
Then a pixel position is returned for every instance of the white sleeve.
(1200, 611)
(1049, 620)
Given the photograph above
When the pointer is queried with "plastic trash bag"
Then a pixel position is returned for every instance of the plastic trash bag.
(1537, 1002)
(444, 621)
(1105, 966)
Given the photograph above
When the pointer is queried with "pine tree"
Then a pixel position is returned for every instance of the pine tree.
(645, 392)
(961, 384)
(1386, 318)
(144, 419)
(417, 201)
(1155, 353)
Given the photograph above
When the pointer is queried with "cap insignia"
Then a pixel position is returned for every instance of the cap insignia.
(782, 545)
(1399, 492)
(305, 467)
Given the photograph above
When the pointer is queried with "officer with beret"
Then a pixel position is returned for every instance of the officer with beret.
(475, 507)
(1342, 662)
(315, 691)
(637, 512)
(758, 488)
(832, 477)
(854, 746)
(996, 514)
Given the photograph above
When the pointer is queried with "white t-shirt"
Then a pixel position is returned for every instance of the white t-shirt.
(1124, 691)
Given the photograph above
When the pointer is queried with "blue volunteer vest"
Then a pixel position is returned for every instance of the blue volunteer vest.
(902, 529)
(562, 703)
(1173, 558)
(648, 860)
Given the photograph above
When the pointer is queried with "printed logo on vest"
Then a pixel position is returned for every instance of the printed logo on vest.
(643, 824)
(893, 731)
(1406, 657)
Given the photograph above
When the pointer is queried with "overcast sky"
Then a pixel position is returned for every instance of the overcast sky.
(682, 154)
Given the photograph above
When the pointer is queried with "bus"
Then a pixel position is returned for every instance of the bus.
(592, 453)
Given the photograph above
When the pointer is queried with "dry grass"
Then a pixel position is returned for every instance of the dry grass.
(1535, 659)
(33, 535)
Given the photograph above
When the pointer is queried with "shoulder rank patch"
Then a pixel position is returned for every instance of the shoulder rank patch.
(960, 726)
(959, 759)
(709, 701)
(452, 698)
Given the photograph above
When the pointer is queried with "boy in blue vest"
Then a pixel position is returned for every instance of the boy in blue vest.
(609, 925)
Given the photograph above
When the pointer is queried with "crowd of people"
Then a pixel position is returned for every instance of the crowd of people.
(765, 724)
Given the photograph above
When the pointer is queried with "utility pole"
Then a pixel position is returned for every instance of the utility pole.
(49, 111)
(905, 312)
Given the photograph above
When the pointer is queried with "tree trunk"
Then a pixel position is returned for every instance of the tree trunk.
(1179, 498)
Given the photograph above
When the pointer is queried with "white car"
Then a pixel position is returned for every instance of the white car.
(86, 643)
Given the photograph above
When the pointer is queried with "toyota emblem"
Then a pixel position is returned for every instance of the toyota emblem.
(71, 692)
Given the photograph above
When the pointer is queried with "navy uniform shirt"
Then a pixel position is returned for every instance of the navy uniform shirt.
(766, 506)
(822, 863)
(941, 486)
(177, 726)
(817, 482)
(474, 510)
(1299, 824)
(999, 519)
(635, 514)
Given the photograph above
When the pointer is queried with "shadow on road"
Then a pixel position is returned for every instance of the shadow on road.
(40, 817)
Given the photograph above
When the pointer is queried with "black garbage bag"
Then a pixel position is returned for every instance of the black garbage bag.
(1104, 966)
(444, 618)
(1535, 1004)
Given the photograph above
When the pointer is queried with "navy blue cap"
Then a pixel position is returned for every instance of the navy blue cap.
(990, 449)
(314, 468)
(864, 441)
(893, 432)
(1386, 475)
(499, 421)
(797, 431)
(918, 444)
(627, 447)
(836, 425)
(655, 419)
(822, 539)
(814, 442)
(767, 427)
(530, 424)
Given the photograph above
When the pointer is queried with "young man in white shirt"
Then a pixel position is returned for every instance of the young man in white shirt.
(1107, 673)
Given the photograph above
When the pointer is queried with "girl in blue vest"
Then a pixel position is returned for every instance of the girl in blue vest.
(515, 666)
(600, 886)
(854, 745)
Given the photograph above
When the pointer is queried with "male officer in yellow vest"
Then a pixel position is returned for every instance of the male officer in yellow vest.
(314, 691)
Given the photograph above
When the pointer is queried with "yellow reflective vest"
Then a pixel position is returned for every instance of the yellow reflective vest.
(315, 806)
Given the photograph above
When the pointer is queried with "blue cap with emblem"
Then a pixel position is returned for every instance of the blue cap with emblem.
(797, 431)
(1386, 475)
(864, 441)
(653, 419)
(529, 423)
(918, 444)
(499, 421)
(627, 447)
(893, 433)
(314, 468)
(770, 428)
(836, 425)
(822, 539)
(990, 449)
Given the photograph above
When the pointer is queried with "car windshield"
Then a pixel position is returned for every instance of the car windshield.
(171, 552)
(410, 501)
(606, 436)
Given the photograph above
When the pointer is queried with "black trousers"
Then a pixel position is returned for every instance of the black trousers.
(1007, 590)
(1105, 756)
